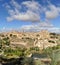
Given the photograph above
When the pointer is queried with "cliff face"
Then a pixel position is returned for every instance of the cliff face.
(42, 39)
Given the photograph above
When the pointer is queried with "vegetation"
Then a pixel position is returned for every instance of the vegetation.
(51, 41)
(37, 35)
(9, 52)
(53, 53)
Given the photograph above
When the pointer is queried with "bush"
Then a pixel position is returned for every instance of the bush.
(51, 41)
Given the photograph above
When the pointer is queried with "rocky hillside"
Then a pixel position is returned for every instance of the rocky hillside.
(42, 39)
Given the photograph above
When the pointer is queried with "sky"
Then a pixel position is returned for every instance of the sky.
(30, 15)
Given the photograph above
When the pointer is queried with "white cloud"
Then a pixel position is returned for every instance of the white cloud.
(15, 4)
(27, 27)
(55, 29)
(33, 6)
(28, 16)
(53, 12)
(3, 28)
(32, 13)
(37, 27)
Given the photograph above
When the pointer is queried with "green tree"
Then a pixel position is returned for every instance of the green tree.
(55, 57)
(6, 41)
(0, 44)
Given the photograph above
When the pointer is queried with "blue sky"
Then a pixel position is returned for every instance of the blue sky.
(29, 14)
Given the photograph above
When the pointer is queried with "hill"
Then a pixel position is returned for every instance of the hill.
(42, 39)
